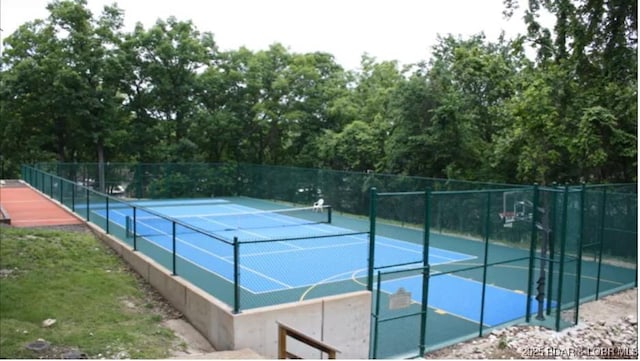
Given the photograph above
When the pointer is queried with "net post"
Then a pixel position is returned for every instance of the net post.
(532, 249)
(425, 270)
(372, 235)
(485, 261)
(135, 237)
(173, 248)
(236, 275)
(329, 208)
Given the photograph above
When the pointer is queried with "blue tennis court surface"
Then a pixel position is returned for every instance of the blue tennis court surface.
(270, 266)
(266, 266)
(458, 296)
(276, 255)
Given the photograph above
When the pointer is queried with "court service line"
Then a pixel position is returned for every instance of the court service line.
(303, 249)
(354, 273)
(242, 230)
(193, 262)
(287, 219)
(189, 244)
(230, 227)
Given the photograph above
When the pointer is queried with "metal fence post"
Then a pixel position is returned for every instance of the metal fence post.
(106, 226)
(61, 181)
(583, 192)
(532, 249)
(173, 248)
(553, 228)
(372, 236)
(486, 258)
(425, 270)
(563, 243)
(73, 196)
(236, 275)
(135, 237)
(374, 351)
(603, 218)
(88, 204)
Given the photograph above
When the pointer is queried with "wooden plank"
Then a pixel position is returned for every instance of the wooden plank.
(286, 330)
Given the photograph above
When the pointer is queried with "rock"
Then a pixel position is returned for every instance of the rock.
(122, 355)
(38, 345)
(608, 326)
(74, 355)
(631, 320)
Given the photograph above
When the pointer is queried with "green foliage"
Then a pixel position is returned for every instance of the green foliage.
(76, 88)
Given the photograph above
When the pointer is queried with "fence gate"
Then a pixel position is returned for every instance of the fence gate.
(399, 283)
(399, 322)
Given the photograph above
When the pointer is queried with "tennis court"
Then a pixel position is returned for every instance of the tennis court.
(442, 266)
(290, 254)
(267, 238)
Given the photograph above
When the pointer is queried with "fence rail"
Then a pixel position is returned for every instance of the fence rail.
(548, 236)
(285, 331)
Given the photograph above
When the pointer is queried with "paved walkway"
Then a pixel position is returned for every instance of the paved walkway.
(25, 207)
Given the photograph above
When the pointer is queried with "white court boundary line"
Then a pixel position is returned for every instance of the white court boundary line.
(294, 248)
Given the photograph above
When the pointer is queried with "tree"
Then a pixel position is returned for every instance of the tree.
(448, 114)
(592, 53)
(61, 82)
(163, 64)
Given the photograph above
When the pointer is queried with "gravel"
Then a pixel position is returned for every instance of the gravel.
(608, 329)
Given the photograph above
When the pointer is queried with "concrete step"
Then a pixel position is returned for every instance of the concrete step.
(243, 354)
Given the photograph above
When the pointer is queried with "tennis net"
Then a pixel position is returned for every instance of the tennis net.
(148, 224)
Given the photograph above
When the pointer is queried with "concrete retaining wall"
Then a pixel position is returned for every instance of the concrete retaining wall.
(341, 321)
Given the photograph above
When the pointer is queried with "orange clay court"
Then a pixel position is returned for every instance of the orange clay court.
(24, 207)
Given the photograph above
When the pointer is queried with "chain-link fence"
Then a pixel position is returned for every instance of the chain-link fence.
(445, 260)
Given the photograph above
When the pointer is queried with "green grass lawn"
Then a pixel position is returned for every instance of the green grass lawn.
(101, 309)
